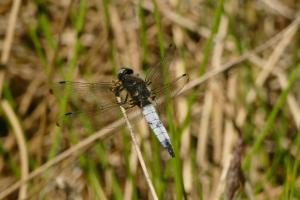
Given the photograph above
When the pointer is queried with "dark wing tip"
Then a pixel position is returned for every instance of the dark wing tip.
(171, 45)
(172, 48)
(187, 77)
(68, 113)
(57, 124)
(61, 82)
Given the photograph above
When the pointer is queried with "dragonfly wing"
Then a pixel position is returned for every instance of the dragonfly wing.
(155, 73)
(85, 90)
(174, 86)
(93, 101)
(155, 78)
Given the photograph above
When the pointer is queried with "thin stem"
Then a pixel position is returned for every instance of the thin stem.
(138, 151)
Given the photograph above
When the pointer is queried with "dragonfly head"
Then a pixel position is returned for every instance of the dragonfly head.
(123, 72)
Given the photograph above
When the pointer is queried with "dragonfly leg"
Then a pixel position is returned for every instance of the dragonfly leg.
(153, 97)
(126, 98)
(132, 102)
(131, 105)
(148, 82)
(117, 90)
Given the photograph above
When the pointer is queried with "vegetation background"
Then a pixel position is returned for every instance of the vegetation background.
(234, 127)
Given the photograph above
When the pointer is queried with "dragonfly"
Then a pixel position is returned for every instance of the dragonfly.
(133, 91)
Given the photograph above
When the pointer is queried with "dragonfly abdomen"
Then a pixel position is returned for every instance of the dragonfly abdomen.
(157, 127)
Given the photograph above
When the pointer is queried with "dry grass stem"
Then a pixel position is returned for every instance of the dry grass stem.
(280, 8)
(2, 76)
(282, 78)
(216, 85)
(21, 141)
(139, 153)
(273, 59)
(10, 31)
(203, 131)
(231, 64)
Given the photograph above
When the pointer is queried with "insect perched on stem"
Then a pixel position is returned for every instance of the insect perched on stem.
(133, 92)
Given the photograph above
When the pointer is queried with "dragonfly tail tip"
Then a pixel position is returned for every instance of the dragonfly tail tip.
(171, 152)
(170, 149)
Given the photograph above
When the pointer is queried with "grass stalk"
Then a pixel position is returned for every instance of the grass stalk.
(139, 153)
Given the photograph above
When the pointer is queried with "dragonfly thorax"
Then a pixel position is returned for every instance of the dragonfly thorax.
(135, 86)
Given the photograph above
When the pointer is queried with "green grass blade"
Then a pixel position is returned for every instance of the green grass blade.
(270, 120)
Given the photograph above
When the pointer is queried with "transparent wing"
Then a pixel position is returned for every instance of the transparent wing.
(156, 72)
(174, 86)
(156, 80)
(93, 101)
(101, 93)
